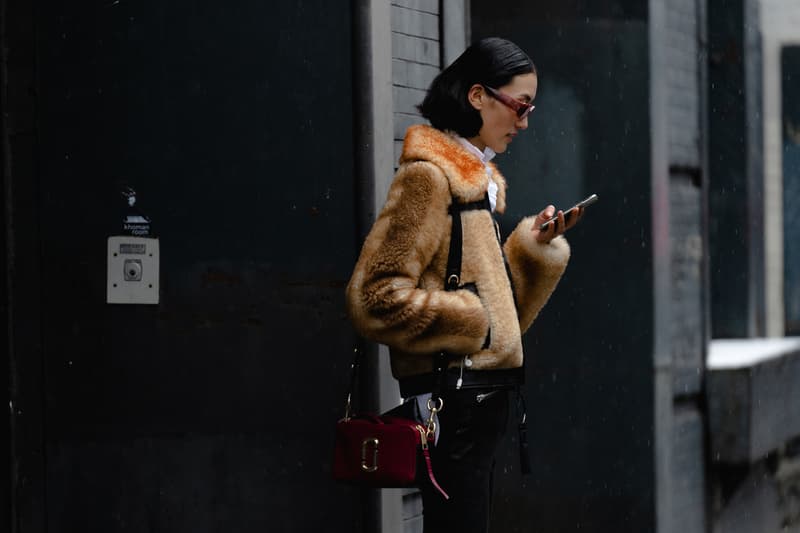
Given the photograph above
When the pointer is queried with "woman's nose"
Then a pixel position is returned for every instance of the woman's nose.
(522, 124)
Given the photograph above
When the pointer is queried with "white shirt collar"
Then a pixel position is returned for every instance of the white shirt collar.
(485, 156)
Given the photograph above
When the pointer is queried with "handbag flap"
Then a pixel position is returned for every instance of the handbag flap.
(377, 451)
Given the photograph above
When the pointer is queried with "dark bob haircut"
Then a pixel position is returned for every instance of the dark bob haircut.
(492, 61)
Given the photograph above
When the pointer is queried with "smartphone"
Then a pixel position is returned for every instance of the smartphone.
(568, 213)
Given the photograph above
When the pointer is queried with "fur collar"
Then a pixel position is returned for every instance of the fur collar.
(464, 171)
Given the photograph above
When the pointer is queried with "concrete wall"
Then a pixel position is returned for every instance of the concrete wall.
(686, 160)
(684, 478)
(757, 490)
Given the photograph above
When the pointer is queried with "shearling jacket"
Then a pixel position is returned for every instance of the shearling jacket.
(396, 294)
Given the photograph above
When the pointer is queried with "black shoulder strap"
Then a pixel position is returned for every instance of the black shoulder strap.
(452, 276)
(452, 281)
(471, 206)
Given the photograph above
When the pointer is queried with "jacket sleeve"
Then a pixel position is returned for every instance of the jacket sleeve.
(384, 298)
(535, 269)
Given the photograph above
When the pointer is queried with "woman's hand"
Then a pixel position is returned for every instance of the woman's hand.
(555, 228)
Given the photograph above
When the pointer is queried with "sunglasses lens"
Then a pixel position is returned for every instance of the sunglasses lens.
(525, 111)
(521, 109)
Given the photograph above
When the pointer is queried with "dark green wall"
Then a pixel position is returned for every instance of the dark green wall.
(735, 171)
(790, 74)
(212, 411)
(590, 353)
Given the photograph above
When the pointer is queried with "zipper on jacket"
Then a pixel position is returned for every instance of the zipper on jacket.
(480, 397)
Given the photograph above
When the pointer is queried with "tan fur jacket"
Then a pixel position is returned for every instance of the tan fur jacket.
(396, 295)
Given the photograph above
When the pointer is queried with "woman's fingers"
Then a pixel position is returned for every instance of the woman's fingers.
(575, 216)
(559, 224)
(561, 227)
(544, 215)
(551, 230)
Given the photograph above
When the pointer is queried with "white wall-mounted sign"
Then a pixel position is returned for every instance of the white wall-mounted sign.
(132, 270)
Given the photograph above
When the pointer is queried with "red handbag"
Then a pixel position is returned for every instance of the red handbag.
(384, 451)
(378, 453)
(388, 450)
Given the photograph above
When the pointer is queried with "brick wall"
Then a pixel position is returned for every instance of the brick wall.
(416, 59)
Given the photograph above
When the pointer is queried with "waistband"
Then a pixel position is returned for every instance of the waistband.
(470, 379)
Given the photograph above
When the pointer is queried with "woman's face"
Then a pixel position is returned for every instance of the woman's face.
(500, 123)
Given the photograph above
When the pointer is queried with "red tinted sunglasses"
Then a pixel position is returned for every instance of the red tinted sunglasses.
(522, 109)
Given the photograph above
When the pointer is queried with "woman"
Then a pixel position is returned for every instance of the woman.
(397, 294)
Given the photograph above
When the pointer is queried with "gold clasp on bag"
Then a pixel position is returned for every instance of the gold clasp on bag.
(365, 444)
(423, 436)
(434, 406)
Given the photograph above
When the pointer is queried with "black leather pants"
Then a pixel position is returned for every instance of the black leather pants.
(472, 424)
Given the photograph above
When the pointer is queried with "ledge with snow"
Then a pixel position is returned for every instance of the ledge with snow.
(753, 390)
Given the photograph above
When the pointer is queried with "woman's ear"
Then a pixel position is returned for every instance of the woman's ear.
(476, 96)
